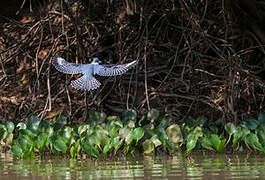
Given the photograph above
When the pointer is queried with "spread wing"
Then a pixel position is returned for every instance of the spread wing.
(63, 66)
(113, 70)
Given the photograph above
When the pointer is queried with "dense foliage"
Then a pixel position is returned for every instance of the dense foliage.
(111, 136)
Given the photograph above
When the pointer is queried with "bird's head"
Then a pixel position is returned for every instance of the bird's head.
(96, 61)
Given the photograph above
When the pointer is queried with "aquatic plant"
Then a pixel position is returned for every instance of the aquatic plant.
(110, 136)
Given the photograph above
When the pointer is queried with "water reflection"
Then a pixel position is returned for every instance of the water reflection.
(196, 166)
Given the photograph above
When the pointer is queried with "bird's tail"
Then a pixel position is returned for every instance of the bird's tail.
(86, 83)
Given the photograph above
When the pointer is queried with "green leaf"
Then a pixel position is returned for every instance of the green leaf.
(253, 141)
(230, 128)
(138, 133)
(198, 132)
(59, 122)
(206, 143)
(215, 141)
(10, 126)
(174, 133)
(44, 124)
(191, 142)
(90, 150)
(25, 143)
(21, 125)
(129, 137)
(67, 135)
(3, 132)
(236, 138)
(60, 145)
(75, 149)
(123, 132)
(17, 150)
(33, 124)
(116, 143)
(251, 124)
(152, 115)
(41, 141)
(107, 148)
(148, 146)
(130, 115)
(155, 140)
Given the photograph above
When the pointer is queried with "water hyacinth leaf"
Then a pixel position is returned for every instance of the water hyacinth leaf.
(33, 124)
(107, 148)
(41, 141)
(123, 132)
(114, 131)
(230, 128)
(261, 136)
(49, 131)
(95, 140)
(21, 125)
(253, 141)
(25, 143)
(261, 118)
(206, 143)
(161, 134)
(10, 126)
(59, 122)
(131, 124)
(60, 145)
(198, 132)
(152, 115)
(130, 115)
(191, 142)
(17, 150)
(129, 137)
(72, 152)
(44, 124)
(155, 140)
(90, 150)
(138, 133)
(236, 137)
(174, 133)
(82, 129)
(251, 124)
(3, 132)
(26, 132)
(67, 135)
(75, 149)
(116, 143)
(215, 141)
(148, 146)
(96, 118)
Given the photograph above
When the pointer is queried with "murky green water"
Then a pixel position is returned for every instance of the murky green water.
(197, 166)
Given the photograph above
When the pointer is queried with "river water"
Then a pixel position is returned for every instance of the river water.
(195, 166)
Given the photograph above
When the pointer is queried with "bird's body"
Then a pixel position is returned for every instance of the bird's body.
(88, 81)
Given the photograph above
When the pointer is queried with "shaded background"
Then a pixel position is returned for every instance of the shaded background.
(195, 57)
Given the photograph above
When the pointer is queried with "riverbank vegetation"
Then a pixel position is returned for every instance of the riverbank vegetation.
(200, 59)
(112, 136)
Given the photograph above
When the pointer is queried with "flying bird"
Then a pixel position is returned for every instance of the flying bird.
(88, 81)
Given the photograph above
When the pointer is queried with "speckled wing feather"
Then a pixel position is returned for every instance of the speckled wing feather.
(113, 70)
(86, 83)
(63, 66)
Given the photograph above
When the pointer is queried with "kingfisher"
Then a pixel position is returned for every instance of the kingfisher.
(88, 82)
